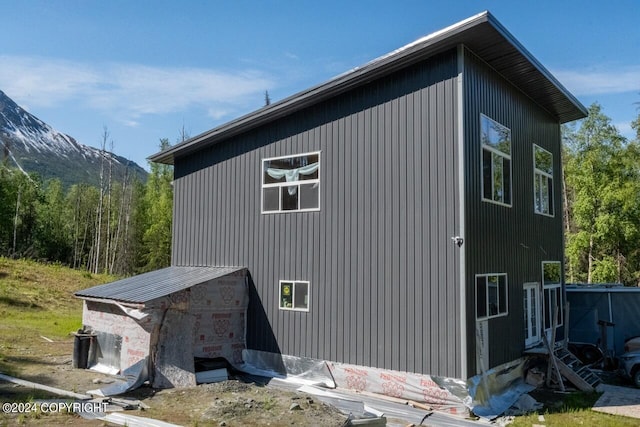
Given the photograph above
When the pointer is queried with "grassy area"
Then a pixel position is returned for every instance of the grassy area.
(37, 300)
(573, 409)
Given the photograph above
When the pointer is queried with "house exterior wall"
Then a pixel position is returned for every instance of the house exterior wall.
(499, 239)
(383, 271)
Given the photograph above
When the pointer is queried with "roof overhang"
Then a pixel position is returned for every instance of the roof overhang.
(482, 34)
(146, 287)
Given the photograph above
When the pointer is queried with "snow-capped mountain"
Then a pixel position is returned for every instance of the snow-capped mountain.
(32, 145)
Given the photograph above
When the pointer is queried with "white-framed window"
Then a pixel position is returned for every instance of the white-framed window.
(491, 296)
(496, 161)
(291, 183)
(552, 292)
(542, 181)
(294, 295)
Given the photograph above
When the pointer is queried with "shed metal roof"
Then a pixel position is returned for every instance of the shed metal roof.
(155, 284)
(482, 34)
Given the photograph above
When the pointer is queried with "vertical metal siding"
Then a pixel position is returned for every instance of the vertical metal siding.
(378, 254)
(512, 240)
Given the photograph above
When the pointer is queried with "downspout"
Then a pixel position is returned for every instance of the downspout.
(461, 216)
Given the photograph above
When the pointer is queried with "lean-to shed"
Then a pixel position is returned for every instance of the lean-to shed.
(163, 320)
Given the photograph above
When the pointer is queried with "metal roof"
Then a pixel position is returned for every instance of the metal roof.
(482, 34)
(155, 284)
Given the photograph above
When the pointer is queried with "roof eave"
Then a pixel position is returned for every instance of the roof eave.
(580, 111)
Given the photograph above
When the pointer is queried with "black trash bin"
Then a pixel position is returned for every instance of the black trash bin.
(81, 345)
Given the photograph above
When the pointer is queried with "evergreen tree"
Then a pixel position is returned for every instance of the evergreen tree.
(53, 237)
(158, 214)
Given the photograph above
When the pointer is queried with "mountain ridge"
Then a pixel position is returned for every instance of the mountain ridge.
(32, 145)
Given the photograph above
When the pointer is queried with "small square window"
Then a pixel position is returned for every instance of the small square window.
(294, 295)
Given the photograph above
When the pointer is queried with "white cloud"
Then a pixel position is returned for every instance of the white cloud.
(611, 80)
(217, 113)
(128, 90)
(625, 129)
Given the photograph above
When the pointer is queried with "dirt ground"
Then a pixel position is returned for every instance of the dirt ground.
(230, 403)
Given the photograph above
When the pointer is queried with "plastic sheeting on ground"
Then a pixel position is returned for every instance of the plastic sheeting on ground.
(498, 389)
(302, 370)
(487, 395)
(134, 377)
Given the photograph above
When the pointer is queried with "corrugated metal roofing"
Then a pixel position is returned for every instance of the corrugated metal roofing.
(481, 33)
(155, 284)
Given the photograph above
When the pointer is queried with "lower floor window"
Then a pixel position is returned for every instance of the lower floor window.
(294, 295)
(491, 295)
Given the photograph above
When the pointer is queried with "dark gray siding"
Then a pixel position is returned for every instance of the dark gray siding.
(383, 270)
(512, 240)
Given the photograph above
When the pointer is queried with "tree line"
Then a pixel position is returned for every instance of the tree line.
(601, 192)
(122, 226)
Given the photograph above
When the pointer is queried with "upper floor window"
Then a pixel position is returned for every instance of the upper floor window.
(291, 183)
(542, 181)
(496, 161)
(491, 296)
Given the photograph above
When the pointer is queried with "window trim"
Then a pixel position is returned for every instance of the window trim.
(539, 175)
(263, 185)
(294, 282)
(506, 294)
(546, 299)
(495, 151)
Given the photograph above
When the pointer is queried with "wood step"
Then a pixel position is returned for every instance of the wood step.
(575, 371)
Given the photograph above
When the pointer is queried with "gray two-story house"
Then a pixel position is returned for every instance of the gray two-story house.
(405, 215)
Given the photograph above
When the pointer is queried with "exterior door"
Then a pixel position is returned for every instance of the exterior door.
(532, 314)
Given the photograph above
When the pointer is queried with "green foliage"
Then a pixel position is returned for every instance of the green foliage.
(122, 227)
(52, 232)
(19, 195)
(158, 214)
(602, 184)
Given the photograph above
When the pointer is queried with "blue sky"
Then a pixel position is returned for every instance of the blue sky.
(146, 69)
